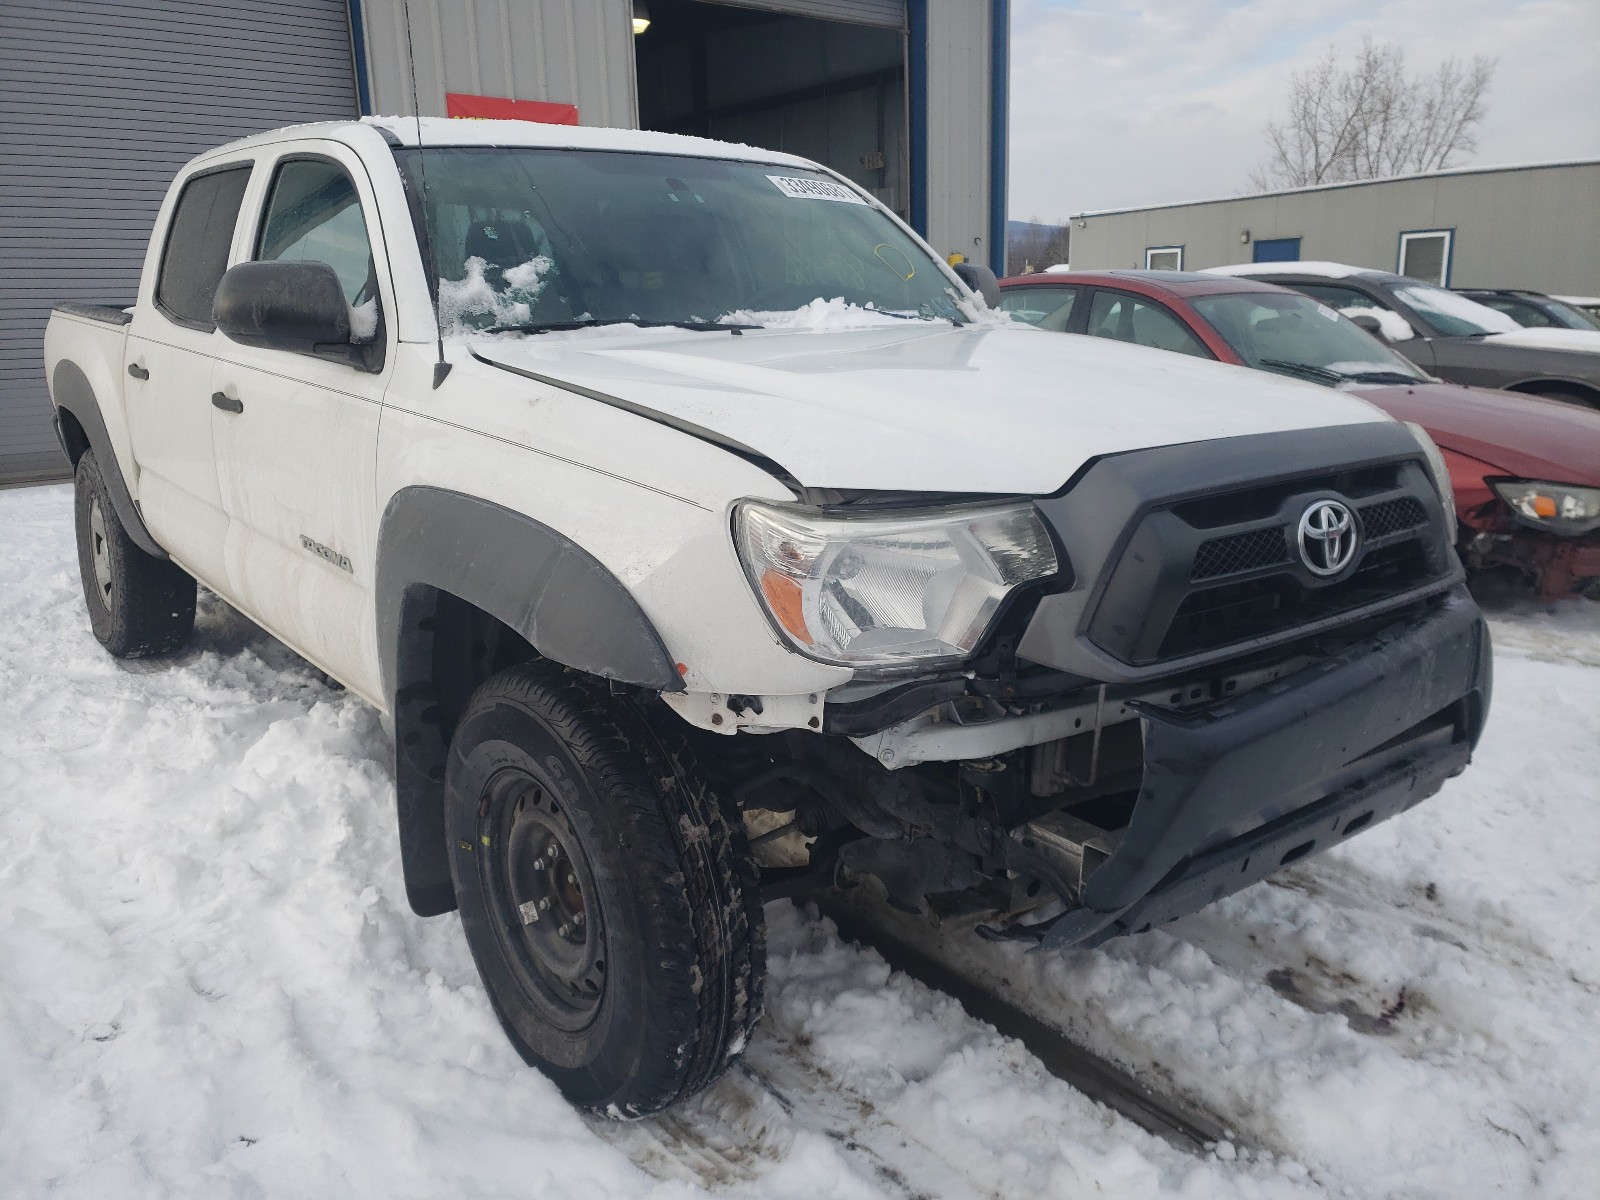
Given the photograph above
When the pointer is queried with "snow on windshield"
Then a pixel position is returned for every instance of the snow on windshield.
(1395, 327)
(821, 316)
(460, 300)
(1456, 309)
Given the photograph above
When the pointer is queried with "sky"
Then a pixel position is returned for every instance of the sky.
(1117, 104)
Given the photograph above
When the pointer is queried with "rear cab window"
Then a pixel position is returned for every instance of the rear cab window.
(199, 237)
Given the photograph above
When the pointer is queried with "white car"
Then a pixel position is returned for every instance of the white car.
(706, 539)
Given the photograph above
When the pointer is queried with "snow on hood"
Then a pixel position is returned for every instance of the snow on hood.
(1525, 436)
(1582, 340)
(920, 406)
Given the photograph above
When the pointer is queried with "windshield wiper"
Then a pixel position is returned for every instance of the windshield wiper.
(1382, 377)
(563, 326)
(1303, 370)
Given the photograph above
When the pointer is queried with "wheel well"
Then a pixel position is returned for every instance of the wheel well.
(73, 439)
(1544, 387)
(447, 648)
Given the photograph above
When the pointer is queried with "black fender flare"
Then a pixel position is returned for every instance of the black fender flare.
(568, 606)
(71, 391)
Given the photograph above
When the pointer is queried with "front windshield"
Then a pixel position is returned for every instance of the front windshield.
(1570, 315)
(1294, 335)
(539, 238)
(1451, 313)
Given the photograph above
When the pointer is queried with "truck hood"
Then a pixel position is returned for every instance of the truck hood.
(1527, 437)
(916, 407)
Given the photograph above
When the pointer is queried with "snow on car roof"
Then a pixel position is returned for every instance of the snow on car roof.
(1328, 270)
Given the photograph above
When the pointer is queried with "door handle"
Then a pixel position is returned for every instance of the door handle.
(226, 402)
(137, 371)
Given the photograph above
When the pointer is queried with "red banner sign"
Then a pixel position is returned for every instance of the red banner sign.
(498, 108)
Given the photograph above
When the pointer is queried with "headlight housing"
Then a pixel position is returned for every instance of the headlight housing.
(1440, 471)
(910, 589)
(1552, 507)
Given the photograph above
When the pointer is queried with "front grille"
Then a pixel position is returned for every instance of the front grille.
(1217, 571)
(1391, 516)
(1236, 612)
(1240, 552)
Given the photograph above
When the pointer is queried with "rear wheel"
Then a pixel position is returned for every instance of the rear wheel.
(138, 604)
(609, 898)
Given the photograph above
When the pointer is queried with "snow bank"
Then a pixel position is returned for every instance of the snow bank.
(211, 984)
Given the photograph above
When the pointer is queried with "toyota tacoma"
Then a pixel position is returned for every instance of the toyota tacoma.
(706, 538)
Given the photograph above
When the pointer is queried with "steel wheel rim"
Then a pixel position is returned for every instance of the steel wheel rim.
(100, 553)
(542, 894)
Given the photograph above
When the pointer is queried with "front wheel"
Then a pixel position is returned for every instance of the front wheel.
(609, 898)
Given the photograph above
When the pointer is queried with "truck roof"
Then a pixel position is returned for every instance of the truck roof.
(446, 131)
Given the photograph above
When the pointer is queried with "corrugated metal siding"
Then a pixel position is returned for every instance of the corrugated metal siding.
(959, 68)
(891, 14)
(568, 51)
(1527, 227)
(102, 102)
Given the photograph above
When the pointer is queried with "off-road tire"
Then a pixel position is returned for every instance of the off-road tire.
(657, 863)
(138, 604)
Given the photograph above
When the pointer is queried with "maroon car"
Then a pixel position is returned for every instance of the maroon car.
(1526, 471)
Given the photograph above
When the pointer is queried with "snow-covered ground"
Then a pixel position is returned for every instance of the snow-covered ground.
(210, 983)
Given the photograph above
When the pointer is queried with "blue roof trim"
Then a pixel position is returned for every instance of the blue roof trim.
(917, 87)
(358, 52)
(999, 125)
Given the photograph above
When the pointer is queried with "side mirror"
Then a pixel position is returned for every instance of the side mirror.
(1370, 323)
(294, 306)
(980, 280)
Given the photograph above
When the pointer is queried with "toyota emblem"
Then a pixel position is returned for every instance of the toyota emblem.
(1328, 537)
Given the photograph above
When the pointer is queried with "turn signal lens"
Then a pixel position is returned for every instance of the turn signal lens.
(1553, 507)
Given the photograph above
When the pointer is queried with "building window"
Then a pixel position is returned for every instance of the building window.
(1425, 255)
(1163, 258)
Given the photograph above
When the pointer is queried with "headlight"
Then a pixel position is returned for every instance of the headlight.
(1553, 507)
(1441, 475)
(915, 589)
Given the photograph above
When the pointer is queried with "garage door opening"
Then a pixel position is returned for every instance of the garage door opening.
(833, 90)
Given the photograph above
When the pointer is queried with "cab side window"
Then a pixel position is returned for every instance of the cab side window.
(198, 240)
(314, 215)
(1047, 307)
(1126, 318)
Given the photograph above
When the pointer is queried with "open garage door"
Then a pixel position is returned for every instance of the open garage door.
(825, 79)
(890, 14)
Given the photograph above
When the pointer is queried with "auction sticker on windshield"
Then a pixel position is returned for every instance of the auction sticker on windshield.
(814, 189)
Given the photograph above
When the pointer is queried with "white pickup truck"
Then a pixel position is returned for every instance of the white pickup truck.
(706, 539)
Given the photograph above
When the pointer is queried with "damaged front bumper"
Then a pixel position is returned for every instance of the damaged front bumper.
(1235, 791)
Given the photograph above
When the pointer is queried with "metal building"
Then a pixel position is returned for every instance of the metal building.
(101, 101)
(1534, 227)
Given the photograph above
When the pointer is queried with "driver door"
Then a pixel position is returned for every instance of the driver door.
(296, 436)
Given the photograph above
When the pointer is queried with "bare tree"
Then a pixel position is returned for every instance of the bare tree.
(1373, 119)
